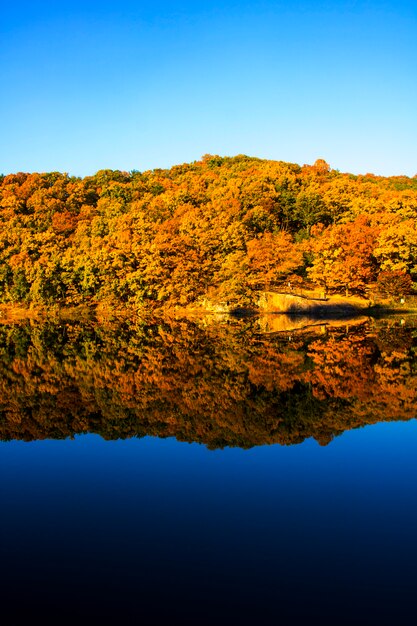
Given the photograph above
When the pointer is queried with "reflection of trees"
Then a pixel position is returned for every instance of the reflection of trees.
(343, 366)
(223, 385)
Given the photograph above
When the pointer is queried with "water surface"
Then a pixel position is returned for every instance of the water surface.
(102, 521)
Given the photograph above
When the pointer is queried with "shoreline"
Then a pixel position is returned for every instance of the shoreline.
(334, 308)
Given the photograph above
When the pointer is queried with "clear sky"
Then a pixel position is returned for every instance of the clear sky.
(91, 84)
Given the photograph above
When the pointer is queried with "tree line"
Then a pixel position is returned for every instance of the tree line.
(222, 228)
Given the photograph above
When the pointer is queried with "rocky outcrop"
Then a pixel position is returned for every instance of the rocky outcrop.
(272, 302)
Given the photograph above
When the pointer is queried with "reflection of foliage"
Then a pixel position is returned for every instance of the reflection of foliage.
(223, 385)
(394, 337)
(343, 366)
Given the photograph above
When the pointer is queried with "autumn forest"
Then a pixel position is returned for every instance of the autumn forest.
(218, 230)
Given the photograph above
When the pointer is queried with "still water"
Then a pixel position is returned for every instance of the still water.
(209, 474)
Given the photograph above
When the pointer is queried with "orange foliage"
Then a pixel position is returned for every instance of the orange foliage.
(221, 227)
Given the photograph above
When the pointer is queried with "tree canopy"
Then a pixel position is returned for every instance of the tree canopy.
(221, 227)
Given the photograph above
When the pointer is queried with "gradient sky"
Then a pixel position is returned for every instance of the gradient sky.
(129, 85)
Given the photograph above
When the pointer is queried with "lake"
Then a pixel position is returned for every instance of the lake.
(209, 471)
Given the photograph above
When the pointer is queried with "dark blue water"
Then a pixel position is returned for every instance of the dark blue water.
(146, 531)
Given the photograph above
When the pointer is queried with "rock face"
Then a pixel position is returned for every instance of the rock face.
(271, 302)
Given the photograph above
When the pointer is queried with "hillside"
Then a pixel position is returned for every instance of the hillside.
(220, 230)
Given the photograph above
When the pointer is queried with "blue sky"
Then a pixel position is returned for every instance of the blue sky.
(137, 85)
